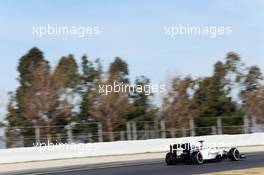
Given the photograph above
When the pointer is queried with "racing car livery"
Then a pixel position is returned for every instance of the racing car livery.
(199, 154)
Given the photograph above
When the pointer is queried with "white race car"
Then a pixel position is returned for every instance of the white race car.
(199, 154)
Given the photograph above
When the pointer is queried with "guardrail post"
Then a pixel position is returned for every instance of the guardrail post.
(2, 138)
(134, 130)
(219, 126)
(100, 132)
(163, 129)
(254, 124)
(22, 141)
(246, 124)
(128, 127)
(37, 134)
(192, 127)
(69, 134)
(49, 138)
(156, 130)
(58, 135)
(213, 130)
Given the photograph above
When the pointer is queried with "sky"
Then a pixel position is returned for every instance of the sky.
(134, 31)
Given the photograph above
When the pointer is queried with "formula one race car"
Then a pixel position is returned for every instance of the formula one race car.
(199, 154)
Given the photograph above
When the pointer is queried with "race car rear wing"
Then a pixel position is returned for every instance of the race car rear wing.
(184, 146)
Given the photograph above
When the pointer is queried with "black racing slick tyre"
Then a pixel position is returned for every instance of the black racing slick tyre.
(170, 159)
(197, 158)
(234, 154)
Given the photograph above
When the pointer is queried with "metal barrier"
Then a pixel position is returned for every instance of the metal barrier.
(94, 132)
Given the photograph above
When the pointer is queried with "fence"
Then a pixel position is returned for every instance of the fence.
(94, 132)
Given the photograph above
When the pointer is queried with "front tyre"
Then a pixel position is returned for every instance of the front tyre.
(170, 159)
(233, 154)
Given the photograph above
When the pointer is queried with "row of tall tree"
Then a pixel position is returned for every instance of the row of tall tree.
(69, 93)
(232, 91)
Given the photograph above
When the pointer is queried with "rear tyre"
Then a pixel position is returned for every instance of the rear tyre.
(170, 159)
(197, 158)
(233, 154)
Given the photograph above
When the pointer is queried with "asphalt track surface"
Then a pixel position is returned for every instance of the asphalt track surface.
(156, 167)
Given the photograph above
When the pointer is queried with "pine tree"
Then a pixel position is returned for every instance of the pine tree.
(140, 108)
(16, 122)
(118, 71)
(112, 109)
(67, 75)
(67, 72)
(17, 118)
(27, 66)
(88, 77)
(177, 104)
(212, 100)
(252, 93)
